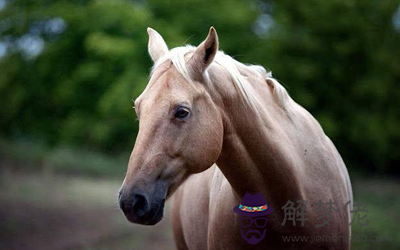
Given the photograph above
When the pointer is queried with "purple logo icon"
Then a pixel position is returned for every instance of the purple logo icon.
(253, 208)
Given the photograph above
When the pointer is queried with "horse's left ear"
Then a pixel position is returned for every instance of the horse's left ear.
(204, 55)
(157, 45)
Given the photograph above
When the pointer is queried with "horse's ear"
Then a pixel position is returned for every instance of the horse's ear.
(157, 45)
(204, 55)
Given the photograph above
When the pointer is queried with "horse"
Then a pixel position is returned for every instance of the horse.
(212, 129)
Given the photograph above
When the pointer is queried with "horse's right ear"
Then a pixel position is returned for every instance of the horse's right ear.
(157, 45)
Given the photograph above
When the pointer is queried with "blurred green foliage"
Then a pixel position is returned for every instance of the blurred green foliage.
(71, 68)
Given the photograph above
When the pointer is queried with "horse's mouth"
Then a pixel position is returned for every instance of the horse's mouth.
(158, 215)
(153, 217)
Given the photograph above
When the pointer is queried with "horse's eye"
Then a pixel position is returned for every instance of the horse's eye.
(182, 113)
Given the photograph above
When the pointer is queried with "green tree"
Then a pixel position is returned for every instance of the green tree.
(72, 68)
(340, 60)
(79, 89)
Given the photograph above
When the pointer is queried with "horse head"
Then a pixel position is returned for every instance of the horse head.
(180, 129)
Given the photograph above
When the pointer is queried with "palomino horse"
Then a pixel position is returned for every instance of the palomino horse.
(212, 129)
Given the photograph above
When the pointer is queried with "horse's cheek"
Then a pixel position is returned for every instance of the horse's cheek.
(207, 147)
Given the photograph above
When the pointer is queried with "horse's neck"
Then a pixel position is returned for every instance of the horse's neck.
(257, 154)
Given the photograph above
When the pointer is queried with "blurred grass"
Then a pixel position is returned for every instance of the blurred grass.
(381, 194)
(85, 197)
(65, 198)
(38, 176)
(57, 212)
(34, 156)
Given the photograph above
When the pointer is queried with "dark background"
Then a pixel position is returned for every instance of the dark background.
(69, 71)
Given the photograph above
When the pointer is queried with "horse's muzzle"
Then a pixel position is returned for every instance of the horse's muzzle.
(142, 208)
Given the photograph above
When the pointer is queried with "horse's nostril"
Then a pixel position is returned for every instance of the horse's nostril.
(140, 205)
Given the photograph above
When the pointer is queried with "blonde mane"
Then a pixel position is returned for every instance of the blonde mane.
(178, 56)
